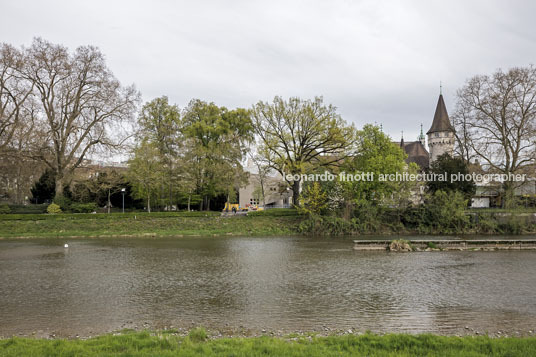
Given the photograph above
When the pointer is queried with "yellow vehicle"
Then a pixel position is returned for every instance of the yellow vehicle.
(230, 206)
(233, 207)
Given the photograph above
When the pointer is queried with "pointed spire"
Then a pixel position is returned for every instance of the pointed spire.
(421, 137)
(441, 118)
(402, 139)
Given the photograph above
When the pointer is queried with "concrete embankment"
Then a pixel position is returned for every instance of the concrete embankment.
(444, 244)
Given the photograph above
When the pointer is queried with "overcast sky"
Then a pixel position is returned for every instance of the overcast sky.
(377, 61)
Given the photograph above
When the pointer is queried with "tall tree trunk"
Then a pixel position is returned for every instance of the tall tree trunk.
(109, 203)
(149, 203)
(208, 204)
(59, 185)
(189, 199)
(296, 193)
(170, 195)
(508, 200)
(263, 194)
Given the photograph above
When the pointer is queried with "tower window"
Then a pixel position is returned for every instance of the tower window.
(437, 135)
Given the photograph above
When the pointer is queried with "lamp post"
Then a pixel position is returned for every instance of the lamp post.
(123, 191)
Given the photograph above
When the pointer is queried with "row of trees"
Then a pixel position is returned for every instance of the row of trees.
(194, 154)
(198, 152)
(59, 108)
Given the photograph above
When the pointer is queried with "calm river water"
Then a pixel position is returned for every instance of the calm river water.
(278, 284)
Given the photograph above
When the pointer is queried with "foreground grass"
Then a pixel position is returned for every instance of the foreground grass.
(157, 224)
(196, 344)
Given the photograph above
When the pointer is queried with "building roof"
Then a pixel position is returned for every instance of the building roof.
(417, 153)
(441, 118)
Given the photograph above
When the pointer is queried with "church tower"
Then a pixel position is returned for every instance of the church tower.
(441, 133)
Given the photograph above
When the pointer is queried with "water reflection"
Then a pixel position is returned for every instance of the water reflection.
(98, 285)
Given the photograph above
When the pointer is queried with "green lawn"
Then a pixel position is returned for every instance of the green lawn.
(136, 224)
(196, 344)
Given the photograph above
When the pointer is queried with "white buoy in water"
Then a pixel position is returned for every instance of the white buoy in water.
(66, 245)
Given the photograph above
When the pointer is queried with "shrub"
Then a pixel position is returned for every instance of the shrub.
(368, 217)
(445, 212)
(83, 207)
(514, 225)
(4, 208)
(486, 223)
(28, 209)
(314, 199)
(64, 202)
(53, 208)
(329, 225)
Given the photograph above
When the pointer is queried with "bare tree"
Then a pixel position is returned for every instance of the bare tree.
(463, 137)
(82, 107)
(14, 94)
(496, 122)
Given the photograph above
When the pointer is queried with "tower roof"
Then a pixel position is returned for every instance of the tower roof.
(441, 118)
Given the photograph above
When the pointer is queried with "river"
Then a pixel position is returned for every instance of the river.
(280, 284)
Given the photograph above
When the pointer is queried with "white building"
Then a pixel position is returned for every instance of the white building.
(276, 191)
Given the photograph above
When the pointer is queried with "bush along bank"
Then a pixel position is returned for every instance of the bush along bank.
(442, 213)
(417, 222)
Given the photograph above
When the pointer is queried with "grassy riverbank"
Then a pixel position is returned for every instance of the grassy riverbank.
(168, 343)
(266, 223)
(145, 224)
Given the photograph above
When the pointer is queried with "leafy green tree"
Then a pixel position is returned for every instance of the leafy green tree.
(376, 158)
(144, 172)
(215, 143)
(160, 124)
(376, 155)
(451, 166)
(297, 136)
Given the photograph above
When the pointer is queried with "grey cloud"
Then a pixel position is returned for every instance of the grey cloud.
(377, 61)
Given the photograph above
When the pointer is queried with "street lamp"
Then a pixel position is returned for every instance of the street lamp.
(123, 191)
